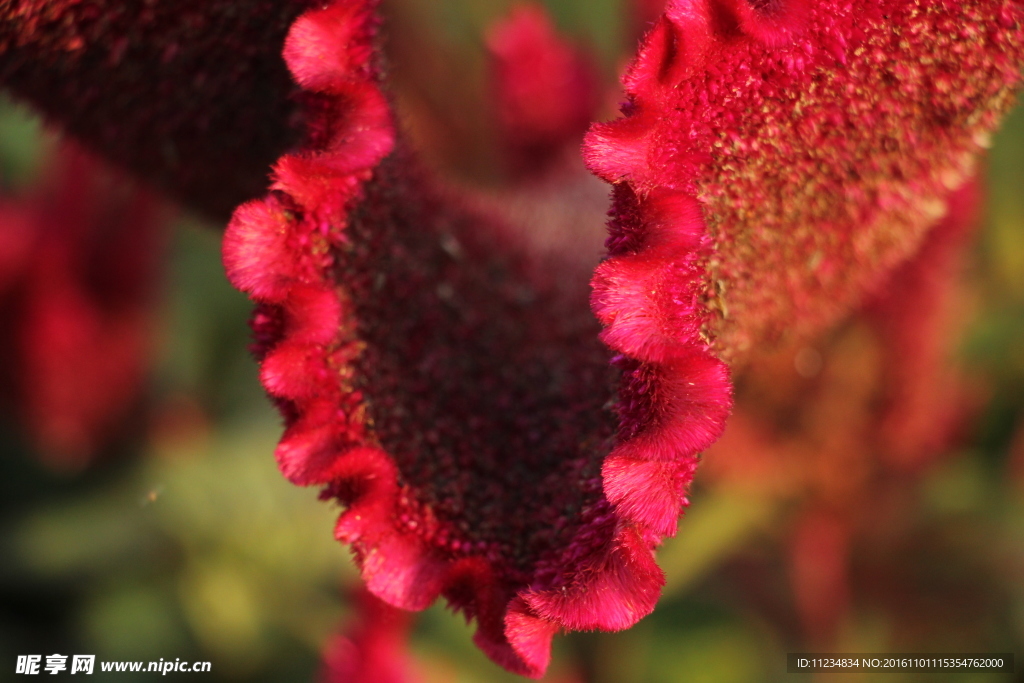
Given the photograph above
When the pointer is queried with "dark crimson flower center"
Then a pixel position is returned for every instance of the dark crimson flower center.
(491, 392)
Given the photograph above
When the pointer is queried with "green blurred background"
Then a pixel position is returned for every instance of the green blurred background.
(185, 541)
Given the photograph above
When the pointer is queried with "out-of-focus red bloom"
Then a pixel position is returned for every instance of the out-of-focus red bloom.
(546, 91)
(78, 303)
(375, 649)
(820, 566)
(915, 312)
(834, 430)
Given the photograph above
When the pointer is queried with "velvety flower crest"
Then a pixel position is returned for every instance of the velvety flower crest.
(429, 383)
(818, 139)
(450, 387)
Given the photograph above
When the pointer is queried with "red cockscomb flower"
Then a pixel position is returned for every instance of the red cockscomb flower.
(444, 380)
(431, 378)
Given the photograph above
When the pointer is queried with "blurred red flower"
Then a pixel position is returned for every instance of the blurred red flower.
(77, 291)
(374, 649)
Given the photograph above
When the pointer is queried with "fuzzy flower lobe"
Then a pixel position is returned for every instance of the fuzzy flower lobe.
(435, 374)
(819, 140)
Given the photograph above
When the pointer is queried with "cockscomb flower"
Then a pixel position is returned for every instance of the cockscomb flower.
(77, 303)
(423, 415)
(432, 373)
(443, 378)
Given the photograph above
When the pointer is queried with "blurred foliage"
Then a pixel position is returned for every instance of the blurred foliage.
(188, 543)
(21, 145)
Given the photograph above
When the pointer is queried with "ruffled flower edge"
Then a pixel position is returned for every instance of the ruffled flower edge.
(657, 294)
(674, 399)
(819, 136)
